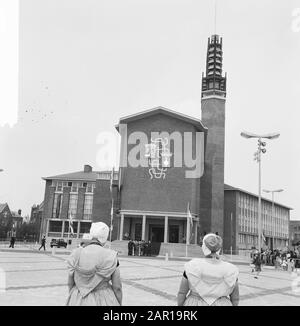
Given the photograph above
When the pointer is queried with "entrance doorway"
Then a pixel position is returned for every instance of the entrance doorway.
(174, 234)
(156, 233)
(138, 232)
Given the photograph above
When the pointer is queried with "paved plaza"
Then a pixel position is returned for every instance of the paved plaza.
(39, 279)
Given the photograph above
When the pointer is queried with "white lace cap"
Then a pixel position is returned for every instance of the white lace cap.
(100, 231)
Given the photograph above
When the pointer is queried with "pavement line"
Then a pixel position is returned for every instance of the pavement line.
(252, 294)
(265, 292)
(13, 288)
(27, 262)
(267, 276)
(163, 294)
(160, 267)
(23, 257)
(35, 270)
(151, 278)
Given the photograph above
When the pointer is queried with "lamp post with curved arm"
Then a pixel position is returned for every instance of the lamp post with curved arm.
(257, 156)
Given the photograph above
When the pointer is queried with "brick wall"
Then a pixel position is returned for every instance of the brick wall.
(102, 205)
(230, 227)
(80, 203)
(212, 182)
(65, 203)
(171, 194)
(48, 204)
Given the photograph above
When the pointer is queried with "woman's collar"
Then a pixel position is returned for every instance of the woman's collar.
(96, 241)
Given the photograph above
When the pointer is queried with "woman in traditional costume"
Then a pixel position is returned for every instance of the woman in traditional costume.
(209, 281)
(94, 275)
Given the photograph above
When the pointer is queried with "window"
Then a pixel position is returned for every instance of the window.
(89, 187)
(88, 207)
(57, 205)
(55, 226)
(73, 205)
(59, 186)
(74, 225)
(85, 227)
(104, 176)
(75, 186)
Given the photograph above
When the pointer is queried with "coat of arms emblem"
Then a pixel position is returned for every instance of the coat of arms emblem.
(158, 154)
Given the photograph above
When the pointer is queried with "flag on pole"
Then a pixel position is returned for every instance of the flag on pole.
(111, 215)
(263, 237)
(112, 202)
(120, 178)
(112, 180)
(71, 223)
(189, 224)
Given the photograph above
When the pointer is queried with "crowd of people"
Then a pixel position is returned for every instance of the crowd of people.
(139, 248)
(288, 260)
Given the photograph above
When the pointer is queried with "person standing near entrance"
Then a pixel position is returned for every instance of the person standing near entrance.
(130, 247)
(12, 242)
(43, 243)
(209, 281)
(257, 263)
(149, 248)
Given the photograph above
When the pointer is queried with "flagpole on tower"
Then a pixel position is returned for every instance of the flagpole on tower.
(70, 226)
(189, 223)
(112, 204)
(215, 17)
(68, 231)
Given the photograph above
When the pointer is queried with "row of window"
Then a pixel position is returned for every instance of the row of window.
(248, 239)
(275, 220)
(59, 185)
(73, 203)
(252, 240)
(57, 227)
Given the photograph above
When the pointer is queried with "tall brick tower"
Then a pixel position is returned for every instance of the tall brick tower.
(213, 117)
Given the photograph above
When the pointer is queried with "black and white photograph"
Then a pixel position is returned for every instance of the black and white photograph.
(149, 155)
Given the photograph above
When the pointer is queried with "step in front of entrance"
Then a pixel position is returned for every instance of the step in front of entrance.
(161, 249)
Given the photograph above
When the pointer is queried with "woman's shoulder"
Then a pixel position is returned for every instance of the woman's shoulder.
(107, 253)
(75, 252)
(110, 252)
(194, 263)
(231, 268)
(74, 256)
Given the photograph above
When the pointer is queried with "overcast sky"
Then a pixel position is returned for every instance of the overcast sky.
(85, 63)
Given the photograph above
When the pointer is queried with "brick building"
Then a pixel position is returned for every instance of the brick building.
(36, 217)
(241, 218)
(6, 221)
(17, 218)
(68, 196)
(10, 221)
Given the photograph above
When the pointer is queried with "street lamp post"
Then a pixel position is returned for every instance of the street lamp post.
(257, 154)
(273, 210)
